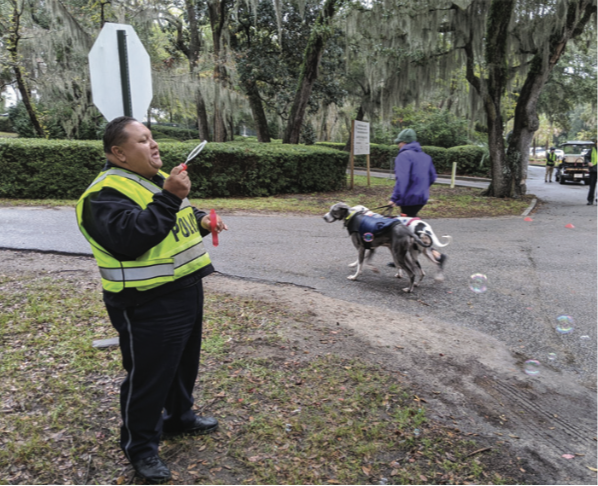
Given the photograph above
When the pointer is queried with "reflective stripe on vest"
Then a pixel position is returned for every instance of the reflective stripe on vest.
(180, 253)
(154, 271)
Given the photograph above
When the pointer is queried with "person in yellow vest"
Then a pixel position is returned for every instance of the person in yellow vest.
(550, 163)
(147, 240)
(590, 159)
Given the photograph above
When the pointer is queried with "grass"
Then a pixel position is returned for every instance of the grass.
(288, 414)
(460, 202)
(8, 135)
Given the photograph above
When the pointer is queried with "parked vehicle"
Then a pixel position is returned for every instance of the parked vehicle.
(573, 167)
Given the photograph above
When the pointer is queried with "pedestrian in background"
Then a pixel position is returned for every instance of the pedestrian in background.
(590, 159)
(550, 162)
(415, 173)
(147, 240)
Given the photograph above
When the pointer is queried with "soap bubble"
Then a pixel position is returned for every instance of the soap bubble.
(531, 367)
(564, 324)
(367, 237)
(288, 428)
(477, 283)
(383, 481)
(416, 432)
(552, 356)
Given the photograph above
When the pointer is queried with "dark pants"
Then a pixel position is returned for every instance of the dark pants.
(592, 191)
(160, 344)
(411, 211)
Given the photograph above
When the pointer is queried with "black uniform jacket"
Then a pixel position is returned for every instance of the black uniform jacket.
(124, 229)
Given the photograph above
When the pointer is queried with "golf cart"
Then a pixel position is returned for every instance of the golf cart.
(573, 167)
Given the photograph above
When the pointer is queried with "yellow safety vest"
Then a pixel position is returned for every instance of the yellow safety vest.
(180, 253)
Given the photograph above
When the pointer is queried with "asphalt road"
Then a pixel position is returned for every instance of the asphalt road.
(536, 271)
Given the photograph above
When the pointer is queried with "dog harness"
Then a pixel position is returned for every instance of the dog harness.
(369, 226)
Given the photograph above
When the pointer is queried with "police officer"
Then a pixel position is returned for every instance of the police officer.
(550, 161)
(147, 240)
(591, 160)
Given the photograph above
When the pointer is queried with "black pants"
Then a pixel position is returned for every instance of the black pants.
(160, 344)
(592, 191)
(411, 211)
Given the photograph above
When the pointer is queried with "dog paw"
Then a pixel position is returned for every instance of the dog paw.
(439, 278)
(408, 290)
(375, 270)
(352, 277)
(398, 275)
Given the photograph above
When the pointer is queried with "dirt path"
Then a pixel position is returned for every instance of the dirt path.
(477, 386)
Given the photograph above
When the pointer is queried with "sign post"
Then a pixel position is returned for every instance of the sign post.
(120, 73)
(360, 144)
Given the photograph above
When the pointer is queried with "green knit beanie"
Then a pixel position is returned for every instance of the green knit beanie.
(408, 135)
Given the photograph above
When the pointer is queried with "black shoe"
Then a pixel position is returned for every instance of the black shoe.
(201, 426)
(442, 261)
(590, 203)
(549, 181)
(391, 264)
(152, 469)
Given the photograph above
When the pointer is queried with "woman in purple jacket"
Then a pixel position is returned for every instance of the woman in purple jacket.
(415, 173)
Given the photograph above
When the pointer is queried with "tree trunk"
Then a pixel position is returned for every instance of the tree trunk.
(202, 116)
(491, 91)
(257, 109)
(192, 53)
(526, 118)
(13, 44)
(321, 32)
(217, 11)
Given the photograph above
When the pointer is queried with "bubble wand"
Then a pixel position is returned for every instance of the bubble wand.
(194, 153)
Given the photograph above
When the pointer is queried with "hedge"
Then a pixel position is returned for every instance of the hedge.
(62, 169)
(383, 156)
(468, 158)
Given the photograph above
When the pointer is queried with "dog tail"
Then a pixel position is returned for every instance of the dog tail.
(420, 242)
(437, 241)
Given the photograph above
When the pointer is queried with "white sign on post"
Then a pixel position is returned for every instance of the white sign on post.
(107, 80)
(361, 138)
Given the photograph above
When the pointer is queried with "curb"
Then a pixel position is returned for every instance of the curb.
(531, 206)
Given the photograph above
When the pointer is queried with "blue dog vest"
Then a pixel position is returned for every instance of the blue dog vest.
(369, 227)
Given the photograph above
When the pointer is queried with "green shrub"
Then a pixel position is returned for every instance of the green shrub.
(166, 140)
(468, 158)
(62, 169)
(438, 155)
(5, 125)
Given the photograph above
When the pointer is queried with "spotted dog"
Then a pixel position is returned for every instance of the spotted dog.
(369, 233)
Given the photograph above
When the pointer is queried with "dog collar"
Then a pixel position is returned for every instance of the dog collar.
(412, 220)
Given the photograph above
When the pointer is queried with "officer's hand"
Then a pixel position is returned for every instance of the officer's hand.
(178, 182)
(220, 226)
(391, 204)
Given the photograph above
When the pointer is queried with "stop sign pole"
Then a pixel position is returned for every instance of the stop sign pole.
(125, 82)
(120, 73)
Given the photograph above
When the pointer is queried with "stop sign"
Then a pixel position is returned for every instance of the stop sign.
(120, 79)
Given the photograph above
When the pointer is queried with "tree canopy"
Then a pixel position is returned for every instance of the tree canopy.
(301, 70)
